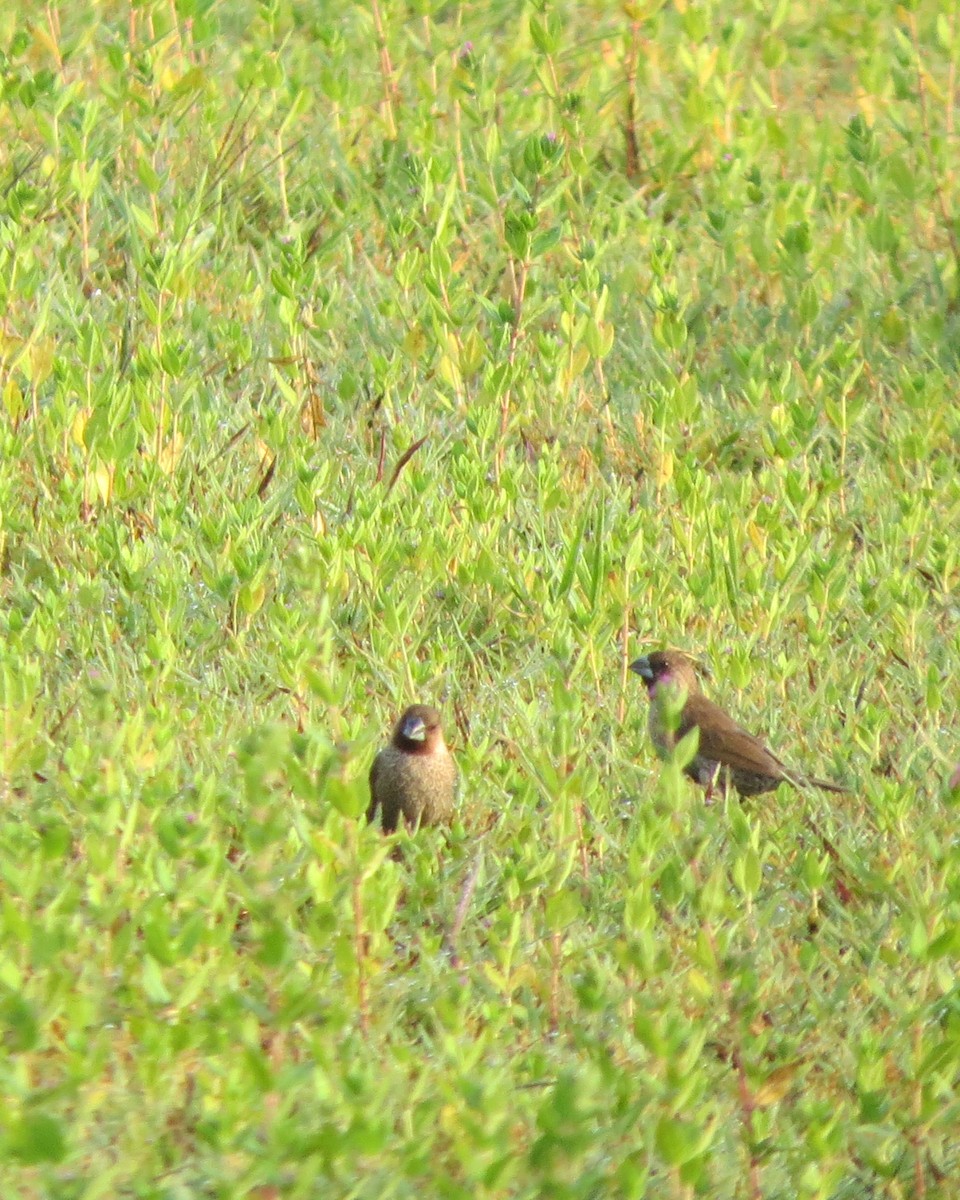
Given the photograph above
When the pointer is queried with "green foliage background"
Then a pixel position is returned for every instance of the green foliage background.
(357, 354)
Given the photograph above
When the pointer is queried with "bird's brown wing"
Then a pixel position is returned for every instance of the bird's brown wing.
(722, 740)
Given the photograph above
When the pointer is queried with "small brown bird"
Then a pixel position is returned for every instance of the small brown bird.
(415, 775)
(725, 751)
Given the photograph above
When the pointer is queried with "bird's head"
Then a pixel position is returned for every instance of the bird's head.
(666, 669)
(418, 731)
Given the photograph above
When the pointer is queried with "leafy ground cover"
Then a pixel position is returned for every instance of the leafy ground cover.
(353, 355)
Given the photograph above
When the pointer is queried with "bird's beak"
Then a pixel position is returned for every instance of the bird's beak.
(414, 729)
(642, 668)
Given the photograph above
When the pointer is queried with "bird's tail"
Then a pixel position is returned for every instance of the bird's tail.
(799, 780)
(826, 785)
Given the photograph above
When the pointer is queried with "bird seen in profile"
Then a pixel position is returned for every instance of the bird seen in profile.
(726, 753)
(414, 776)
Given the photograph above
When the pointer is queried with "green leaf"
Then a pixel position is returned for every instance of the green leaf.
(37, 1138)
(153, 986)
(747, 872)
(676, 1141)
(563, 908)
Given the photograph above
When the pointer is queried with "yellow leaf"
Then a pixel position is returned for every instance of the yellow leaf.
(865, 103)
(43, 41)
(451, 1120)
(664, 468)
(103, 479)
(707, 66)
(414, 342)
(251, 597)
(579, 361)
(758, 537)
(526, 975)
(473, 353)
(698, 983)
(447, 370)
(13, 400)
(41, 360)
(79, 425)
(775, 1086)
(497, 978)
(170, 454)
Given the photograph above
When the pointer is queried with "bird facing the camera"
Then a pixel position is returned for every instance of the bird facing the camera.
(414, 776)
(726, 753)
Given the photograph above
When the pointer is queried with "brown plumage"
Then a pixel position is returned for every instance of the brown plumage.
(726, 753)
(415, 776)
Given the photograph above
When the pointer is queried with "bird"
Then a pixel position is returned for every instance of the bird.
(414, 776)
(726, 752)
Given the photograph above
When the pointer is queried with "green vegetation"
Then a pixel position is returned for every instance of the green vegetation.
(353, 355)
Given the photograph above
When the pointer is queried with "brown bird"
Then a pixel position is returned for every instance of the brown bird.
(725, 751)
(415, 775)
